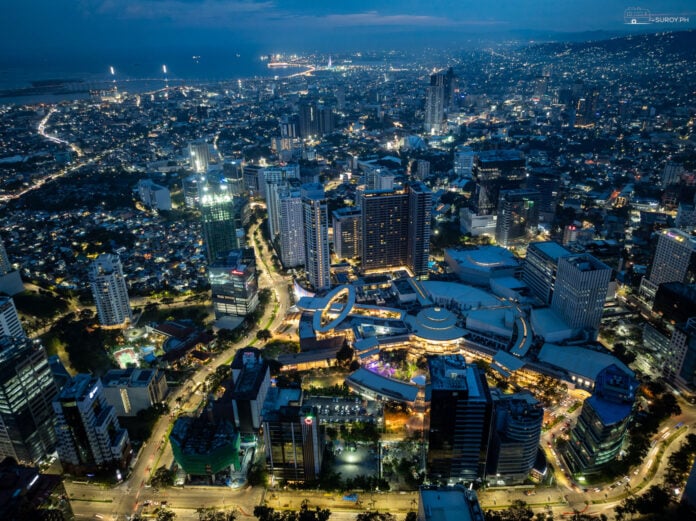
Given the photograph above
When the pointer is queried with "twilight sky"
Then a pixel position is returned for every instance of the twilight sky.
(57, 26)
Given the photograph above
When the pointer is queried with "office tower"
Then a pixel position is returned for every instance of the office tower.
(346, 232)
(109, 290)
(680, 363)
(27, 388)
(518, 215)
(292, 435)
(316, 227)
(251, 380)
(422, 169)
(292, 233)
(540, 267)
(420, 200)
(9, 319)
(671, 174)
(251, 174)
(674, 260)
(582, 283)
(154, 196)
(460, 420)
(451, 89)
(199, 156)
(308, 120)
(5, 266)
(597, 437)
(233, 170)
(192, 186)
(463, 161)
(88, 432)
(496, 170)
(10, 281)
(548, 183)
(133, 390)
(445, 503)
(222, 225)
(435, 105)
(396, 228)
(234, 283)
(516, 434)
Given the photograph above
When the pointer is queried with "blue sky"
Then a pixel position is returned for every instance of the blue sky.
(52, 26)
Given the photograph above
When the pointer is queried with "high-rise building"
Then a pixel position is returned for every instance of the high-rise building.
(422, 169)
(674, 260)
(251, 380)
(396, 228)
(222, 220)
(420, 200)
(582, 284)
(10, 281)
(89, 435)
(133, 390)
(308, 120)
(460, 420)
(548, 183)
(192, 186)
(516, 434)
(496, 170)
(463, 161)
(599, 433)
(234, 283)
(233, 170)
(292, 435)
(434, 122)
(540, 266)
(292, 233)
(276, 174)
(518, 215)
(346, 232)
(109, 290)
(316, 227)
(9, 319)
(671, 174)
(27, 389)
(154, 196)
(680, 362)
(277, 181)
(675, 302)
(199, 156)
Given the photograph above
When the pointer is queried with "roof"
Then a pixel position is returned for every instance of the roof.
(384, 386)
(550, 249)
(435, 323)
(450, 504)
(579, 360)
(609, 412)
(468, 297)
(485, 258)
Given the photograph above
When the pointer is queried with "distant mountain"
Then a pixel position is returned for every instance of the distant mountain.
(681, 43)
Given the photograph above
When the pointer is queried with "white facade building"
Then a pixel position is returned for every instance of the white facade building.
(109, 290)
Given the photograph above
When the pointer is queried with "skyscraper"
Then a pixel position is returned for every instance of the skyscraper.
(5, 266)
(109, 290)
(292, 233)
(680, 363)
(234, 283)
(674, 260)
(496, 170)
(420, 200)
(540, 267)
(582, 283)
(396, 228)
(515, 439)
(316, 226)
(221, 219)
(435, 105)
(346, 232)
(460, 420)
(10, 281)
(463, 161)
(9, 319)
(26, 391)
(199, 156)
(89, 435)
(518, 215)
(599, 433)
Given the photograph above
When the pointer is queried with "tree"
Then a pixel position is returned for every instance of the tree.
(411, 516)
(164, 514)
(163, 477)
(210, 514)
(263, 335)
(375, 515)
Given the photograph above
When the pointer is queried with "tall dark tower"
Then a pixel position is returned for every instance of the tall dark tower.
(460, 420)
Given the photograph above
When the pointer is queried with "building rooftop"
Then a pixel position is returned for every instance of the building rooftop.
(384, 386)
(77, 389)
(449, 504)
(550, 249)
(579, 360)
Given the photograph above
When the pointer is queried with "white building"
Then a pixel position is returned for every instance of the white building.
(89, 435)
(130, 391)
(109, 290)
(292, 235)
(9, 319)
(154, 196)
(316, 227)
(674, 261)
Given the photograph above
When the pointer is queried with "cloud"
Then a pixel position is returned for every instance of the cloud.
(183, 12)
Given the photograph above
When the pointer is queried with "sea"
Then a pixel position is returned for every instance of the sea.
(38, 79)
